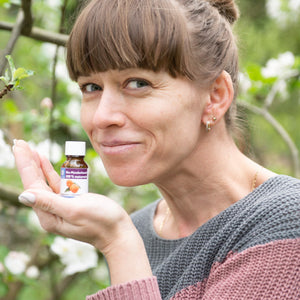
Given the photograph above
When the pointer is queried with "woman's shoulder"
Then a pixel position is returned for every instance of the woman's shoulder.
(280, 192)
(271, 214)
(284, 183)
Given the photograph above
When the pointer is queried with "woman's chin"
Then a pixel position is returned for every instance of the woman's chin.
(125, 179)
(126, 182)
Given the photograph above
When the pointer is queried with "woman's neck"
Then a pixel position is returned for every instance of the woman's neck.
(197, 192)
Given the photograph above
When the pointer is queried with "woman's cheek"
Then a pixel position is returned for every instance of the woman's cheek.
(85, 117)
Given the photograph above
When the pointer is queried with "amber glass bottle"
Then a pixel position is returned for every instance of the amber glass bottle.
(74, 171)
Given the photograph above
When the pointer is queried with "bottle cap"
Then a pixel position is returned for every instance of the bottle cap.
(75, 148)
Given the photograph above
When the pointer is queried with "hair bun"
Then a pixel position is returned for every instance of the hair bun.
(226, 8)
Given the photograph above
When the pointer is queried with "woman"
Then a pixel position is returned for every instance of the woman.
(158, 81)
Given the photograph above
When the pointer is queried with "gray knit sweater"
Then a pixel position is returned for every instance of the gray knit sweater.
(251, 250)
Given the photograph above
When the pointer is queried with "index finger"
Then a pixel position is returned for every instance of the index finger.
(29, 167)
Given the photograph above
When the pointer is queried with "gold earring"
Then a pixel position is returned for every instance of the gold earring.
(208, 126)
(208, 123)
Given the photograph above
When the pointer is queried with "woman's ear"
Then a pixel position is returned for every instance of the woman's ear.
(220, 98)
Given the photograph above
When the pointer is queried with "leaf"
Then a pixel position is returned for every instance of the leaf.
(21, 73)
(11, 64)
(4, 80)
(7, 75)
(18, 88)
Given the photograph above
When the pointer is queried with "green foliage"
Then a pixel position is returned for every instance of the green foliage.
(4, 2)
(14, 76)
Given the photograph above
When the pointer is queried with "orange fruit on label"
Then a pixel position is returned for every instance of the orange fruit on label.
(69, 183)
(74, 188)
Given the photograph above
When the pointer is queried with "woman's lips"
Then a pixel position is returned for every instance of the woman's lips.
(117, 147)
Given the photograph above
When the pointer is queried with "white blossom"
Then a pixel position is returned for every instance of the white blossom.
(282, 89)
(33, 272)
(75, 255)
(16, 262)
(274, 10)
(244, 82)
(283, 11)
(6, 156)
(279, 67)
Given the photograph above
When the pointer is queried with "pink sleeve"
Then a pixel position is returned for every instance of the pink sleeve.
(145, 289)
(270, 271)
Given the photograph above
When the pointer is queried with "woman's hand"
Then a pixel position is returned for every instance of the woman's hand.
(80, 217)
(90, 218)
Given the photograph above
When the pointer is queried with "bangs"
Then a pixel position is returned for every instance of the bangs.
(121, 34)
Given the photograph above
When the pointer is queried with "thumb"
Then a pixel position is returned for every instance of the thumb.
(45, 200)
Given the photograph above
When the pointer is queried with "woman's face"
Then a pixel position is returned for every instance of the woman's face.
(144, 125)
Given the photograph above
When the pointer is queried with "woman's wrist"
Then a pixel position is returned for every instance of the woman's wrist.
(127, 258)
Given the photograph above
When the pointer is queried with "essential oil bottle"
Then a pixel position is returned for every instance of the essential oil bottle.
(74, 171)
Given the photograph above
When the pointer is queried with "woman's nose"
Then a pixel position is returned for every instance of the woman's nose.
(109, 111)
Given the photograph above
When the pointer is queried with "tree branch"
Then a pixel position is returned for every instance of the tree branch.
(39, 34)
(280, 130)
(28, 21)
(16, 32)
(10, 195)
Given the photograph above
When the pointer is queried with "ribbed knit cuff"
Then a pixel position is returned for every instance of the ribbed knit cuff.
(144, 289)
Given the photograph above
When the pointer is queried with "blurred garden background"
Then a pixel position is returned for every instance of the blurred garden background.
(45, 112)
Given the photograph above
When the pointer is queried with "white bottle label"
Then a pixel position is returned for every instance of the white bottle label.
(74, 181)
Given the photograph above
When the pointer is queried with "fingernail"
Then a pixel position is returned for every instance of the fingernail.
(27, 198)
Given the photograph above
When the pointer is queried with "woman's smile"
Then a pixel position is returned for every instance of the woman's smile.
(118, 147)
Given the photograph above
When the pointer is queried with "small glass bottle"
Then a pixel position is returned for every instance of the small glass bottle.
(74, 171)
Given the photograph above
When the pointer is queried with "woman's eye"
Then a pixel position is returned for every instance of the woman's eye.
(137, 84)
(90, 87)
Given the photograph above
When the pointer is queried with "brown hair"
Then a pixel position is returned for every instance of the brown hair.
(192, 38)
